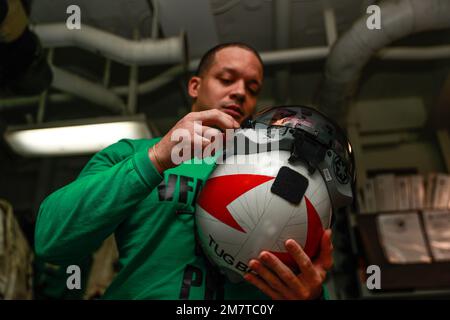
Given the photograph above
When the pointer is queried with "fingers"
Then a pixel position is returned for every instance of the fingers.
(267, 275)
(209, 140)
(325, 258)
(191, 136)
(278, 281)
(311, 274)
(277, 275)
(202, 142)
(301, 258)
(263, 286)
(217, 118)
(211, 133)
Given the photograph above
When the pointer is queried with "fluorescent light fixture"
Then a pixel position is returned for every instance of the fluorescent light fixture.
(75, 137)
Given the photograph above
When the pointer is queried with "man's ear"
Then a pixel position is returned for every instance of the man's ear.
(194, 86)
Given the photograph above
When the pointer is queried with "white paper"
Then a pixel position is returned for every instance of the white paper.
(437, 227)
(402, 238)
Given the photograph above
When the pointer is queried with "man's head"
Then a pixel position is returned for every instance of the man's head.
(229, 78)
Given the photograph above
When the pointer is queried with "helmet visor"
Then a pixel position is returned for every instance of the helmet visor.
(324, 130)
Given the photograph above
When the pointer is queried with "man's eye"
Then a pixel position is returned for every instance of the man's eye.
(253, 91)
(226, 81)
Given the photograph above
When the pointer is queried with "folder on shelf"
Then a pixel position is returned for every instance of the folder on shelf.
(385, 192)
(403, 190)
(441, 191)
(417, 192)
(402, 238)
(437, 228)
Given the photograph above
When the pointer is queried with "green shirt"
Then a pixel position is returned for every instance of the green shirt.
(152, 217)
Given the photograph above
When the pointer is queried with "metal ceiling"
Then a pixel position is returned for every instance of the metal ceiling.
(211, 21)
(208, 21)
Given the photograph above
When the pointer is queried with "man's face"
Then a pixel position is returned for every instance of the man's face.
(231, 84)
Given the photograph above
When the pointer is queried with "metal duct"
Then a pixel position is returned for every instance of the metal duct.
(143, 52)
(354, 49)
(86, 89)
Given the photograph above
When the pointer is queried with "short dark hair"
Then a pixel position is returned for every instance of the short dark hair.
(208, 58)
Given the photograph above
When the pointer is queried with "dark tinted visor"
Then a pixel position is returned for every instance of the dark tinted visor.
(324, 130)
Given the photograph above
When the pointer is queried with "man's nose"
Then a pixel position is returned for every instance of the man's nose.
(238, 91)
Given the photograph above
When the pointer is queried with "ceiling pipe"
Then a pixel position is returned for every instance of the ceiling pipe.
(412, 53)
(154, 83)
(91, 91)
(143, 52)
(114, 103)
(17, 102)
(355, 48)
(294, 55)
(317, 53)
(330, 25)
(133, 83)
(269, 58)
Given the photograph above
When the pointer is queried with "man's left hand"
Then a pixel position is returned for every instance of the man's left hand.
(279, 282)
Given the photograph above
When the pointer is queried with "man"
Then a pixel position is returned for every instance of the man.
(134, 190)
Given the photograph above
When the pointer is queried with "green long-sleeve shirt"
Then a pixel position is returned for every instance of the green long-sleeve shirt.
(152, 217)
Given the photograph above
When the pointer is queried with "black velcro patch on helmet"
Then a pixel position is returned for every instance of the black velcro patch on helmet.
(290, 185)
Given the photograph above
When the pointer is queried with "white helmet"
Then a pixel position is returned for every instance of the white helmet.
(249, 206)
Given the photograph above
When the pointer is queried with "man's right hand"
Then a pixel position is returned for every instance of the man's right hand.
(193, 126)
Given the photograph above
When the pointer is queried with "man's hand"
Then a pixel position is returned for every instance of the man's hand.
(192, 127)
(279, 282)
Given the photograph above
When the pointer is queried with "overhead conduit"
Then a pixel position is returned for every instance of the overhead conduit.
(346, 60)
(355, 48)
(86, 89)
(132, 52)
(144, 52)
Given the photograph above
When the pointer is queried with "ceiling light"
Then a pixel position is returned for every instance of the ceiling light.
(74, 137)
